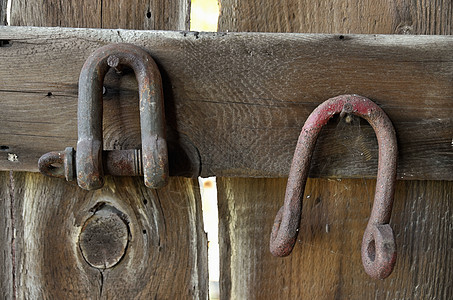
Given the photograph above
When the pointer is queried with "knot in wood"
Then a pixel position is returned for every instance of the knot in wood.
(104, 238)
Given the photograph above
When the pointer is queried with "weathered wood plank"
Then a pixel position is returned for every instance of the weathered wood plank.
(61, 229)
(3, 12)
(7, 243)
(72, 13)
(338, 16)
(252, 91)
(147, 14)
(137, 14)
(164, 247)
(326, 263)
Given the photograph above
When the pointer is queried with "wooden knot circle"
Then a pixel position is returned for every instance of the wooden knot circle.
(104, 238)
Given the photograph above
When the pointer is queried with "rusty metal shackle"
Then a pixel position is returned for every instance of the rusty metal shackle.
(378, 244)
(152, 160)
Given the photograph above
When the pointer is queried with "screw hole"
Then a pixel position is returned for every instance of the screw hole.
(372, 250)
(4, 148)
(148, 14)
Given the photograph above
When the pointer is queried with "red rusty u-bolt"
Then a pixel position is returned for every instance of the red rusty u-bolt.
(378, 244)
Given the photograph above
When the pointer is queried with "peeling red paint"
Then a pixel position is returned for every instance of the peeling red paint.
(378, 245)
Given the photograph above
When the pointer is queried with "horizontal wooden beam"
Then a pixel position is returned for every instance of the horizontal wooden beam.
(236, 101)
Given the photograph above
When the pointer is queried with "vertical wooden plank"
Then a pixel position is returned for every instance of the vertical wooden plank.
(138, 14)
(164, 240)
(71, 13)
(6, 234)
(48, 263)
(123, 241)
(147, 14)
(326, 263)
(338, 16)
(6, 238)
(3, 12)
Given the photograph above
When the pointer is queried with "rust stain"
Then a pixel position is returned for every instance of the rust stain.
(90, 160)
(378, 244)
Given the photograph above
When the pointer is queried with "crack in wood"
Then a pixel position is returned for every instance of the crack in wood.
(13, 231)
(101, 286)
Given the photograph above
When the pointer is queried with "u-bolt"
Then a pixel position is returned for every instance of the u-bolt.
(152, 162)
(378, 244)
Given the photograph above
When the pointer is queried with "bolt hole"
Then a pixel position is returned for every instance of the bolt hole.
(148, 14)
(49, 94)
(4, 148)
(144, 231)
(5, 43)
(372, 250)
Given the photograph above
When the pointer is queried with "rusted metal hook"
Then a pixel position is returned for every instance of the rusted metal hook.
(152, 162)
(378, 244)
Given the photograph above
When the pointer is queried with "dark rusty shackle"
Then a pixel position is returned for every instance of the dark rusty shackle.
(378, 244)
(151, 161)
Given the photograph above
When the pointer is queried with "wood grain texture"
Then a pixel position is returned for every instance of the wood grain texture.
(136, 14)
(73, 13)
(326, 263)
(147, 14)
(338, 16)
(240, 99)
(166, 244)
(7, 281)
(3, 12)
(166, 254)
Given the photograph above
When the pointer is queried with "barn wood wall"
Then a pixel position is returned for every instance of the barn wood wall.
(166, 241)
(325, 263)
